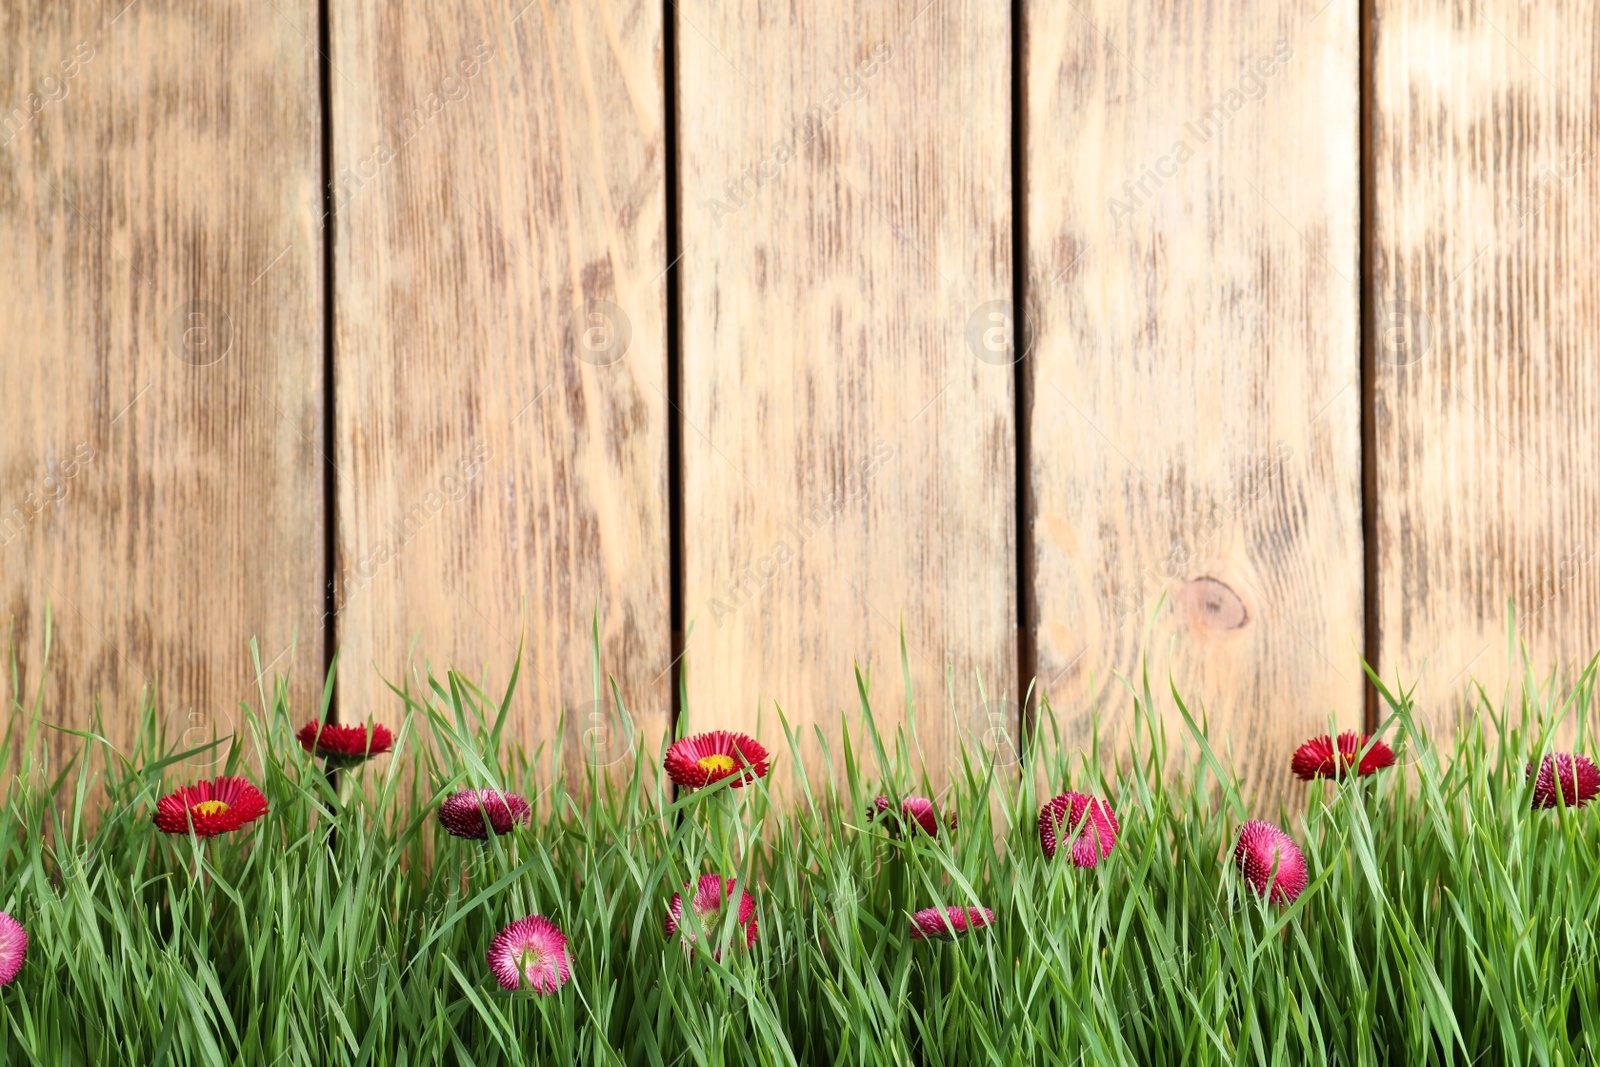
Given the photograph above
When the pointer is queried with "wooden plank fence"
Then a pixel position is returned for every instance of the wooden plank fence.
(427, 333)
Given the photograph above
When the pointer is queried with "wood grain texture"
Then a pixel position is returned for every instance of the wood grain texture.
(160, 355)
(500, 177)
(1192, 185)
(848, 457)
(1488, 386)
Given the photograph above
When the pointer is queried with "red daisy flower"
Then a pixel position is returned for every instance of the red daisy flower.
(947, 924)
(1329, 757)
(531, 951)
(344, 746)
(699, 761)
(1090, 821)
(710, 894)
(1263, 847)
(476, 812)
(212, 808)
(13, 948)
(1577, 777)
(919, 810)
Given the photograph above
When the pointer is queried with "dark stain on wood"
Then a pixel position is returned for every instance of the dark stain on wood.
(1211, 606)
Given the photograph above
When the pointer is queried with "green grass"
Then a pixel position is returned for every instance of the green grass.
(1445, 921)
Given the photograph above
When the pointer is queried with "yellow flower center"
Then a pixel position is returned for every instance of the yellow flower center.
(717, 764)
(209, 807)
(529, 961)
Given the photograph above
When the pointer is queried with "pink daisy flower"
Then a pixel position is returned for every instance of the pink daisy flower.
(531, 953)
(1574, 778)
(212, 808)
(1090, 821)
(947, 924)
(918, 810)
(13, 948)
(1263, 847)
(344, 746)
(710, 895)
(1329, 757)
(698, 761)
(475, 813)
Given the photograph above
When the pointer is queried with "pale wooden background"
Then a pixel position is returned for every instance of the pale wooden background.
(493, 463)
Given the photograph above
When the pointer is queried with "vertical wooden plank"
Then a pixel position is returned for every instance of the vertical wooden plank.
(500, 397)
(160, 354)
(848, 454)
(1192, 267)
(1488, 302)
